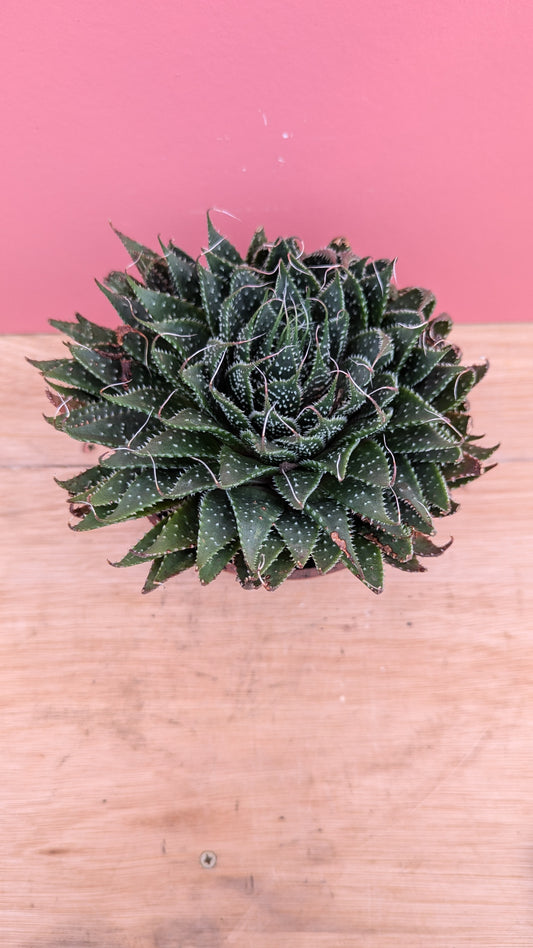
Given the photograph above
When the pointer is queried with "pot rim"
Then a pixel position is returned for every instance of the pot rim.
(302, 572)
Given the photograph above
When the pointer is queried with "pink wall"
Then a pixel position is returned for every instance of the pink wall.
(403, 124)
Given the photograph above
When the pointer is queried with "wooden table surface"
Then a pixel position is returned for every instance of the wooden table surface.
(361, 766)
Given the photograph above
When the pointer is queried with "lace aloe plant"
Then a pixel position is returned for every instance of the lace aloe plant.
(281, 411)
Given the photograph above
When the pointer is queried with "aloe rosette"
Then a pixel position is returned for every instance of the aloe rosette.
(281, 411)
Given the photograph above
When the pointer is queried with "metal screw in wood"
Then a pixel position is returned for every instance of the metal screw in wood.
(208, 859)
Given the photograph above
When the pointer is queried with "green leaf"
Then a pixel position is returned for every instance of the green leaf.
(182, 444)
(285, 395)
(411, 298)
(441, 377)
(396, 547)
(85, 332)
(246, 577)
(270, 550)
(326, 553)
(467, 467)
(256, 510)
(369, 463)
(423, 546)
(421, 439)
(143, 494)
(101, 365)
(179, 532)
(151, 580)
(210, 570)
(318, 378)
(376, 285)
(105, 424)
(370, 563)
(296, 486)
(188, 336)
(369, 421)
(118, 282)
(439, 328)
(421, 362)
(384, 389)
(221, 246)
(444, 455)
(326, 402)
(83, 481)
(192, 480)
(411, 409)
(404, 318)
(405, 336)
(333, 517)
(159, 278)
(284, 364)
(217, 527)
(479, 452)
(143, 257)
(93, 521)
(280, 254)
(433, 484)
(278, 571)
(167, 363)
(177, 319)
(456, 392)
(134, 556)
(299, 532)
(240, 380)
(395, 527)
(130, 310)
(365, 500)
(109, 490)
(190, 419)
(287, 291)
(467, 479)
(235, 415)
(158, 400)
(70, 396)
(171, 565)
(212, 292)
(221, 267)
(412, 518)
(264, 326)
(336, 458)
(302, 278)
(69, 372)
(339, 327)
(408, 489)
(332, 297)
(232, 315)
(131, 458)
(408, 566)
(375, 346)
(269, 451)
(247, 292)
(355, 302)
(194, 377)
(309, 444)
(183, 273)
(258, 241)
(237, 469)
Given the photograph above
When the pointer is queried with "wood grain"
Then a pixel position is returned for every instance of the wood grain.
(361, 766)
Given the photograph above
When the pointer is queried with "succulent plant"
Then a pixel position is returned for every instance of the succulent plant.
(281, 411)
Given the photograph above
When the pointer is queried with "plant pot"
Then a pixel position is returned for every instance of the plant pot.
(306, 572)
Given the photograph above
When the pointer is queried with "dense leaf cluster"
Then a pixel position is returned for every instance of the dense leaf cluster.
(274, 412)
